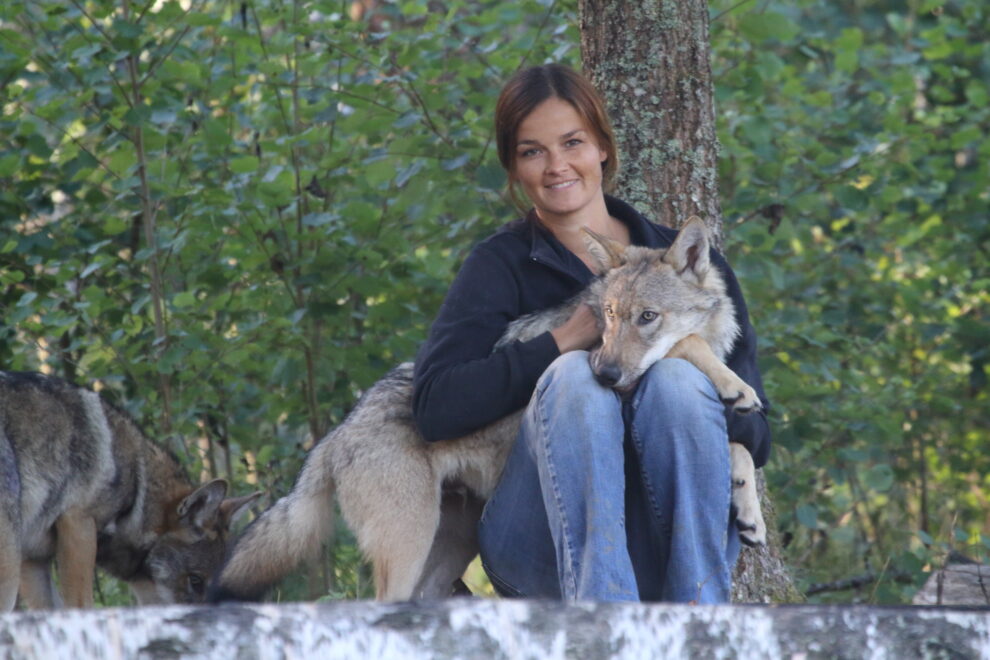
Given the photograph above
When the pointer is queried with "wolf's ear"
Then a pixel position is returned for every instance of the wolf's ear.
(200, 507)
(233, 507)
(690, 248)
(608, 253)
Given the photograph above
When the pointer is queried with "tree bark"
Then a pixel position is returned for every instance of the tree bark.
(650, 60)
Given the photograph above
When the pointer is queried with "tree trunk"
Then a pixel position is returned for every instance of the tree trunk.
(650, 60)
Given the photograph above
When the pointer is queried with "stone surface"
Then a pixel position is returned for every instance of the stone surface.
(494, 629)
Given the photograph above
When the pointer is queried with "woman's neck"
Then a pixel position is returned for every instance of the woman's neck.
(567, 230)
(593, 216)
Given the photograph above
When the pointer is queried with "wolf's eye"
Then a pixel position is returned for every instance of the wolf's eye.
(608, 311)
(196, 583)
(648, 317)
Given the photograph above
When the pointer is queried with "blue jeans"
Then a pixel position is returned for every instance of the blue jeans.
(608, 498)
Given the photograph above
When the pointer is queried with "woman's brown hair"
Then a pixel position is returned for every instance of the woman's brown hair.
(530, 87)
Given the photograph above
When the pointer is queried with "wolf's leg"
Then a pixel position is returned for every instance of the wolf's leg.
(37, 587)
(10, 571)
(745, 499)
(731, 388)
(75, 557)
(454, 546)
(398, 533)
(10, 525)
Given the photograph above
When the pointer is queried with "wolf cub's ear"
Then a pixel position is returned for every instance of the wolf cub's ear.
(690, 249)
(199, 509)
(608, 253)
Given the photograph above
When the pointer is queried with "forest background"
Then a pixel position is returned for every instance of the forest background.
(232, 217)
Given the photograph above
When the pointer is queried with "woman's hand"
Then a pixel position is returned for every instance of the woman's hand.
(579, 332)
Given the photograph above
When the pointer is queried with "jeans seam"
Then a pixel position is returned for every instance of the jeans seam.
(565, 528)
(642, 468)
(503, 586)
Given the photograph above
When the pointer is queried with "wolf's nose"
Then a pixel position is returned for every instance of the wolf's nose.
(608, 375)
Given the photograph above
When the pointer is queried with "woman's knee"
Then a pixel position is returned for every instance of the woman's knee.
(679, 387)
(569, 405)
(569, 370)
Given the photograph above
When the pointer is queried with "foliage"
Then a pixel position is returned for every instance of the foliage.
(854, 180)
(235, 216)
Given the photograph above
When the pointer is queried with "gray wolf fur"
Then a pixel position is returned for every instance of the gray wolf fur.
(413, 505)
(80, 485)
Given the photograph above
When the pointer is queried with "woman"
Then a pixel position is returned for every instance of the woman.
(604, 497)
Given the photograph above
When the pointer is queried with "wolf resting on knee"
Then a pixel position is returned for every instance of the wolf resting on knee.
(414, 506)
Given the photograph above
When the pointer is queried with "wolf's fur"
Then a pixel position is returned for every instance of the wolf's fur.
(397, 492)
(81, 486)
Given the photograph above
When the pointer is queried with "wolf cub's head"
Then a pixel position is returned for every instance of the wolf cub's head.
(191, 548)
(650, 299)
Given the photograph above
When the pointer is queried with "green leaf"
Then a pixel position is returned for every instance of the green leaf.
(763, 26)
(184, 299)
(879, 478)
(9, 163)
(807, 515)
(244, 164)
(456, 163)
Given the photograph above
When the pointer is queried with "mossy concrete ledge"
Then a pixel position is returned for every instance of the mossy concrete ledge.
(492, 629)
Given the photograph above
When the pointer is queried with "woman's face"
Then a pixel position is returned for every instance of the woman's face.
(558, 161)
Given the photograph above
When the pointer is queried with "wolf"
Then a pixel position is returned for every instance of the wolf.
(80, 485)
(413, 506)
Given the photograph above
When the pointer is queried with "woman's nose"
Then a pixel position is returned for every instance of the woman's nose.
(555, 161)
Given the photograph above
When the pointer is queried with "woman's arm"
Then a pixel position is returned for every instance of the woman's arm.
(459, 384)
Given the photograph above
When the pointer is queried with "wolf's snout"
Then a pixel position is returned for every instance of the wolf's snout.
(608, 375)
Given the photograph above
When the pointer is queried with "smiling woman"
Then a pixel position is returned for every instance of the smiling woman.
(604, 496)
(558, 163)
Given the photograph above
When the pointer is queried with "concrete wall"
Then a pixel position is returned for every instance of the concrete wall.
(494, 629)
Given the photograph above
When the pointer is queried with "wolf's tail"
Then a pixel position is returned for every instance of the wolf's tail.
(289, 532)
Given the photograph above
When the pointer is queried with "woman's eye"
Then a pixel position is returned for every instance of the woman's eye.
(573, 142)
(529, 153)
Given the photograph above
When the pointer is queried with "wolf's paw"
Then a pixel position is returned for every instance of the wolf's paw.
(745, 499)
(742, 397)
(749, 517)
(752, 529)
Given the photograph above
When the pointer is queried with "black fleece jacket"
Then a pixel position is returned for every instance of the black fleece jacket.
(460, 385)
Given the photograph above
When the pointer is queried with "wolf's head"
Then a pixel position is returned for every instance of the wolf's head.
(191, 548)
(652, 298)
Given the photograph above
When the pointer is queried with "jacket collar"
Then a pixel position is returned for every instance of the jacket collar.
(547, 250)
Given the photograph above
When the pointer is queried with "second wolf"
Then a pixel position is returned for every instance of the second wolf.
(81, 486)
(403, 497)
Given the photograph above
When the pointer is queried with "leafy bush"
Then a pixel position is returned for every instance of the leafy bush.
(233, 217)
(854, 179)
